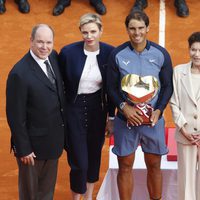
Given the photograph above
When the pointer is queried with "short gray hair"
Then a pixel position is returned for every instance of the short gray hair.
(36, 27)
(90, 18)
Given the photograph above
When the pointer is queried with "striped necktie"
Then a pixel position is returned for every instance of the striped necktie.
(50, 73)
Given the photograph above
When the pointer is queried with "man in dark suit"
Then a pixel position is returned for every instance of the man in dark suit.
(62, 4)
(34, 107)
(23, 6)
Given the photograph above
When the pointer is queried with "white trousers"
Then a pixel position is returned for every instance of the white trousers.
(188, 172)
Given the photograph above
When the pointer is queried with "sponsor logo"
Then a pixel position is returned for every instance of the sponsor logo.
(126, 62)
(152, 60)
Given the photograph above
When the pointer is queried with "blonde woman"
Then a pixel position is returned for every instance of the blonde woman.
(84, 66)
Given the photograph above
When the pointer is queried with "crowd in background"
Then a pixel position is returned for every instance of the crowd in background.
(182, 9)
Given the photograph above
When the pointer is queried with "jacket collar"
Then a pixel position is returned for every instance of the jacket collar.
(187, 82)
(40, 74)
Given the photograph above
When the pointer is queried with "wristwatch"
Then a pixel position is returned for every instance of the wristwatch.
(121, 105)
(111, 118)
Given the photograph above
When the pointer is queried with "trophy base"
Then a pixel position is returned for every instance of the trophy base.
(143, 123)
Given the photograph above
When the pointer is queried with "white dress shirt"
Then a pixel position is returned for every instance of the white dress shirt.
(41, 62)
(195, 84)
(91, 79)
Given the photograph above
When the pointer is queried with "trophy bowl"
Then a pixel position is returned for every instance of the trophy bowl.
(139, 91)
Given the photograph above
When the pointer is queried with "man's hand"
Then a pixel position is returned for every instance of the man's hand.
(155, 116)
(29, 159)
(133, 115)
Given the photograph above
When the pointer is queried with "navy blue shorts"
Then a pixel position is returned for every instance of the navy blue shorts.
(151, 139)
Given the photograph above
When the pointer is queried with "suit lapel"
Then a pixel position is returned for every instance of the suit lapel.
(187, 82)
(40, 74)
(198, 96)
(54, 64)
(101, 64)
(81, 63)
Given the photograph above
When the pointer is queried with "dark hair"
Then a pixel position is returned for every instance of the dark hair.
(36, 27)
(138, 15)
(195, 37)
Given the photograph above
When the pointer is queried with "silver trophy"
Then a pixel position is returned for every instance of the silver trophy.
(139, 91)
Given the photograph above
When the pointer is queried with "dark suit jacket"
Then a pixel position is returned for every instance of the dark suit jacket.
(35, 109)
(72, 60)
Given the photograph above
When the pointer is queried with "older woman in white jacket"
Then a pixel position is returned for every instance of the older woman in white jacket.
(185, 105)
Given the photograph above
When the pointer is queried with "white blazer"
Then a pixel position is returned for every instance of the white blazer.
(185, 107)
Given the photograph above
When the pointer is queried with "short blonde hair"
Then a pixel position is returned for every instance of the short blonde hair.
(90, 18)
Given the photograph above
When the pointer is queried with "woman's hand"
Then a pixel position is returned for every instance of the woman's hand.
(196, 139)
(187, 135)
(109, 128)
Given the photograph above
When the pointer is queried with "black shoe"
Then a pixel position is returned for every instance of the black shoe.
(140, 5)
(23, 6)
(60, 7)
(182, 9)
(2, 7)
(99, 7)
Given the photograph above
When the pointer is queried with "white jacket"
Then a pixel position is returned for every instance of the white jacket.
(185, 107)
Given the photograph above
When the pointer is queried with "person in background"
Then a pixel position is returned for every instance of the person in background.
(62, 4)
(185, 105)
(23, 6)
(83, 65)
(139, 57)
(35, 113)
(182, 9)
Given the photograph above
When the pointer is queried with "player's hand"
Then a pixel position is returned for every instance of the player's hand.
(155, 116)
(133, 115)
